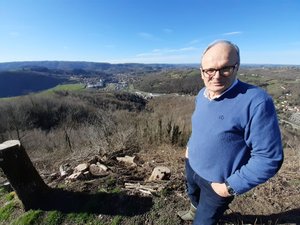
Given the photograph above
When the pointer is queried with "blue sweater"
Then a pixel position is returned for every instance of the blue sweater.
(236, 137)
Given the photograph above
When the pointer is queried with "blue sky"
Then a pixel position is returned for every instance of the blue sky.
(148, 31)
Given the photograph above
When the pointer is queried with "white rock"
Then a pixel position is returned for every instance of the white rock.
(160, 173)
(103, 167)
(96, 170)
(65, 170)
(75, 176)
(81, 167)
(127, 159)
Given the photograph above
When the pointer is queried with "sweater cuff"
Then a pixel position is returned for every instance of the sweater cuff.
(237, 184)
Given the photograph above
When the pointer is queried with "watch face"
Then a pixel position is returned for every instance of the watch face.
(230, 190)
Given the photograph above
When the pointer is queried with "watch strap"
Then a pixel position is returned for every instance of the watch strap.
(230, 189)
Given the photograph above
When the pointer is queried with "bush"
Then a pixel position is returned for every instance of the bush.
(87, 123)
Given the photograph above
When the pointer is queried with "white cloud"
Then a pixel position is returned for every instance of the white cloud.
(148, 36)
(146, 54)
(156, 50)
(109, 46)
(167, 30)
(232, 33)
(167, 55)
(196, 41)
(159, 59)
(189, 49)
(168, 50)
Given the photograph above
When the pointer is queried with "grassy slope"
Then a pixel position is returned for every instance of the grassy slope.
(60, 87)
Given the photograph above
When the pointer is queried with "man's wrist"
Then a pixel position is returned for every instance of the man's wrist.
(230, 189)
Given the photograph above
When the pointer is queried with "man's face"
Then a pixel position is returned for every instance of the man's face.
(219, 56)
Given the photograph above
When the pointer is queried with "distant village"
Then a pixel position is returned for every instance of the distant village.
(121, 82)
(96, 83)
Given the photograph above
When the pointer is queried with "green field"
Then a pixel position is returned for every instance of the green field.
(65, 87)
(60, 87)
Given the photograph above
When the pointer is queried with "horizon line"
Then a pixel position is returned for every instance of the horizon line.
(82, 61)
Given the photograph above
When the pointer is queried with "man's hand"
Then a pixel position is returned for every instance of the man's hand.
(220, 189)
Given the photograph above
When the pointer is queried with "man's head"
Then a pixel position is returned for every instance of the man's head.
(219, 66)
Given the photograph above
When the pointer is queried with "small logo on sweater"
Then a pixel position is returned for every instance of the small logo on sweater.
(221, 117)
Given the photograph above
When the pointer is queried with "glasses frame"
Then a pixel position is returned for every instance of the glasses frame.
(221, 72)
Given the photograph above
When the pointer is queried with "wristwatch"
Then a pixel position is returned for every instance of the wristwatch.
(230, 189)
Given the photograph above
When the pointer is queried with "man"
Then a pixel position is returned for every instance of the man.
(235, 143)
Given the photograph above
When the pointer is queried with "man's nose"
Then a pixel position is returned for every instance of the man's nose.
(217, 74)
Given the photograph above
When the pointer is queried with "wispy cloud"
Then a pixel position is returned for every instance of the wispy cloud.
(148, 36)
(167, 30)
(14, 34)
(109, 46)
(158, 59)
(187, 49)
(167, 55)
(165, 51)
(146, 54)
(193, 42)
(232, 33)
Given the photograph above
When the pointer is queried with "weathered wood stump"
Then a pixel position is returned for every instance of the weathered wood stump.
(22, 175)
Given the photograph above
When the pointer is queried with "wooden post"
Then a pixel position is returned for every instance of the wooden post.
(22, 175)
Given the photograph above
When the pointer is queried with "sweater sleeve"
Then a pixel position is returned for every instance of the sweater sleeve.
(262, 136)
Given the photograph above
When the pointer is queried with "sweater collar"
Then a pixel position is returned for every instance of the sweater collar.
(206, 95)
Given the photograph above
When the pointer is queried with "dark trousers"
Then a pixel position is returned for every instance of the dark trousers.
(210, 206)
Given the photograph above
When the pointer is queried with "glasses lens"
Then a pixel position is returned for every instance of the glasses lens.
(210, 72)
(226, 70)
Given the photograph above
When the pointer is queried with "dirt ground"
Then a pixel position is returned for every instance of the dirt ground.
(275, 202)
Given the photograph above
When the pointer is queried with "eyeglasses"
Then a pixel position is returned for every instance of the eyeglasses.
(225, 71)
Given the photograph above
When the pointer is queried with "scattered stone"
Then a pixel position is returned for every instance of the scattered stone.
(295, 118)
(100, 216)
(75, 176)
(127, 159)
(81, 167)
(54, 176)
(103, 158)
(65, 170)
(160, 173)
(97, 171)
(87, 174)
(145, 189)
(103, 167)
(7, 187)
(93, 160)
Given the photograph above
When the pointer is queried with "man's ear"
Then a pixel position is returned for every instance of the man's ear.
(201, 74)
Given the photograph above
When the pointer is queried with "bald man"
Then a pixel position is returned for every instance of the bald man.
(235, 143)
